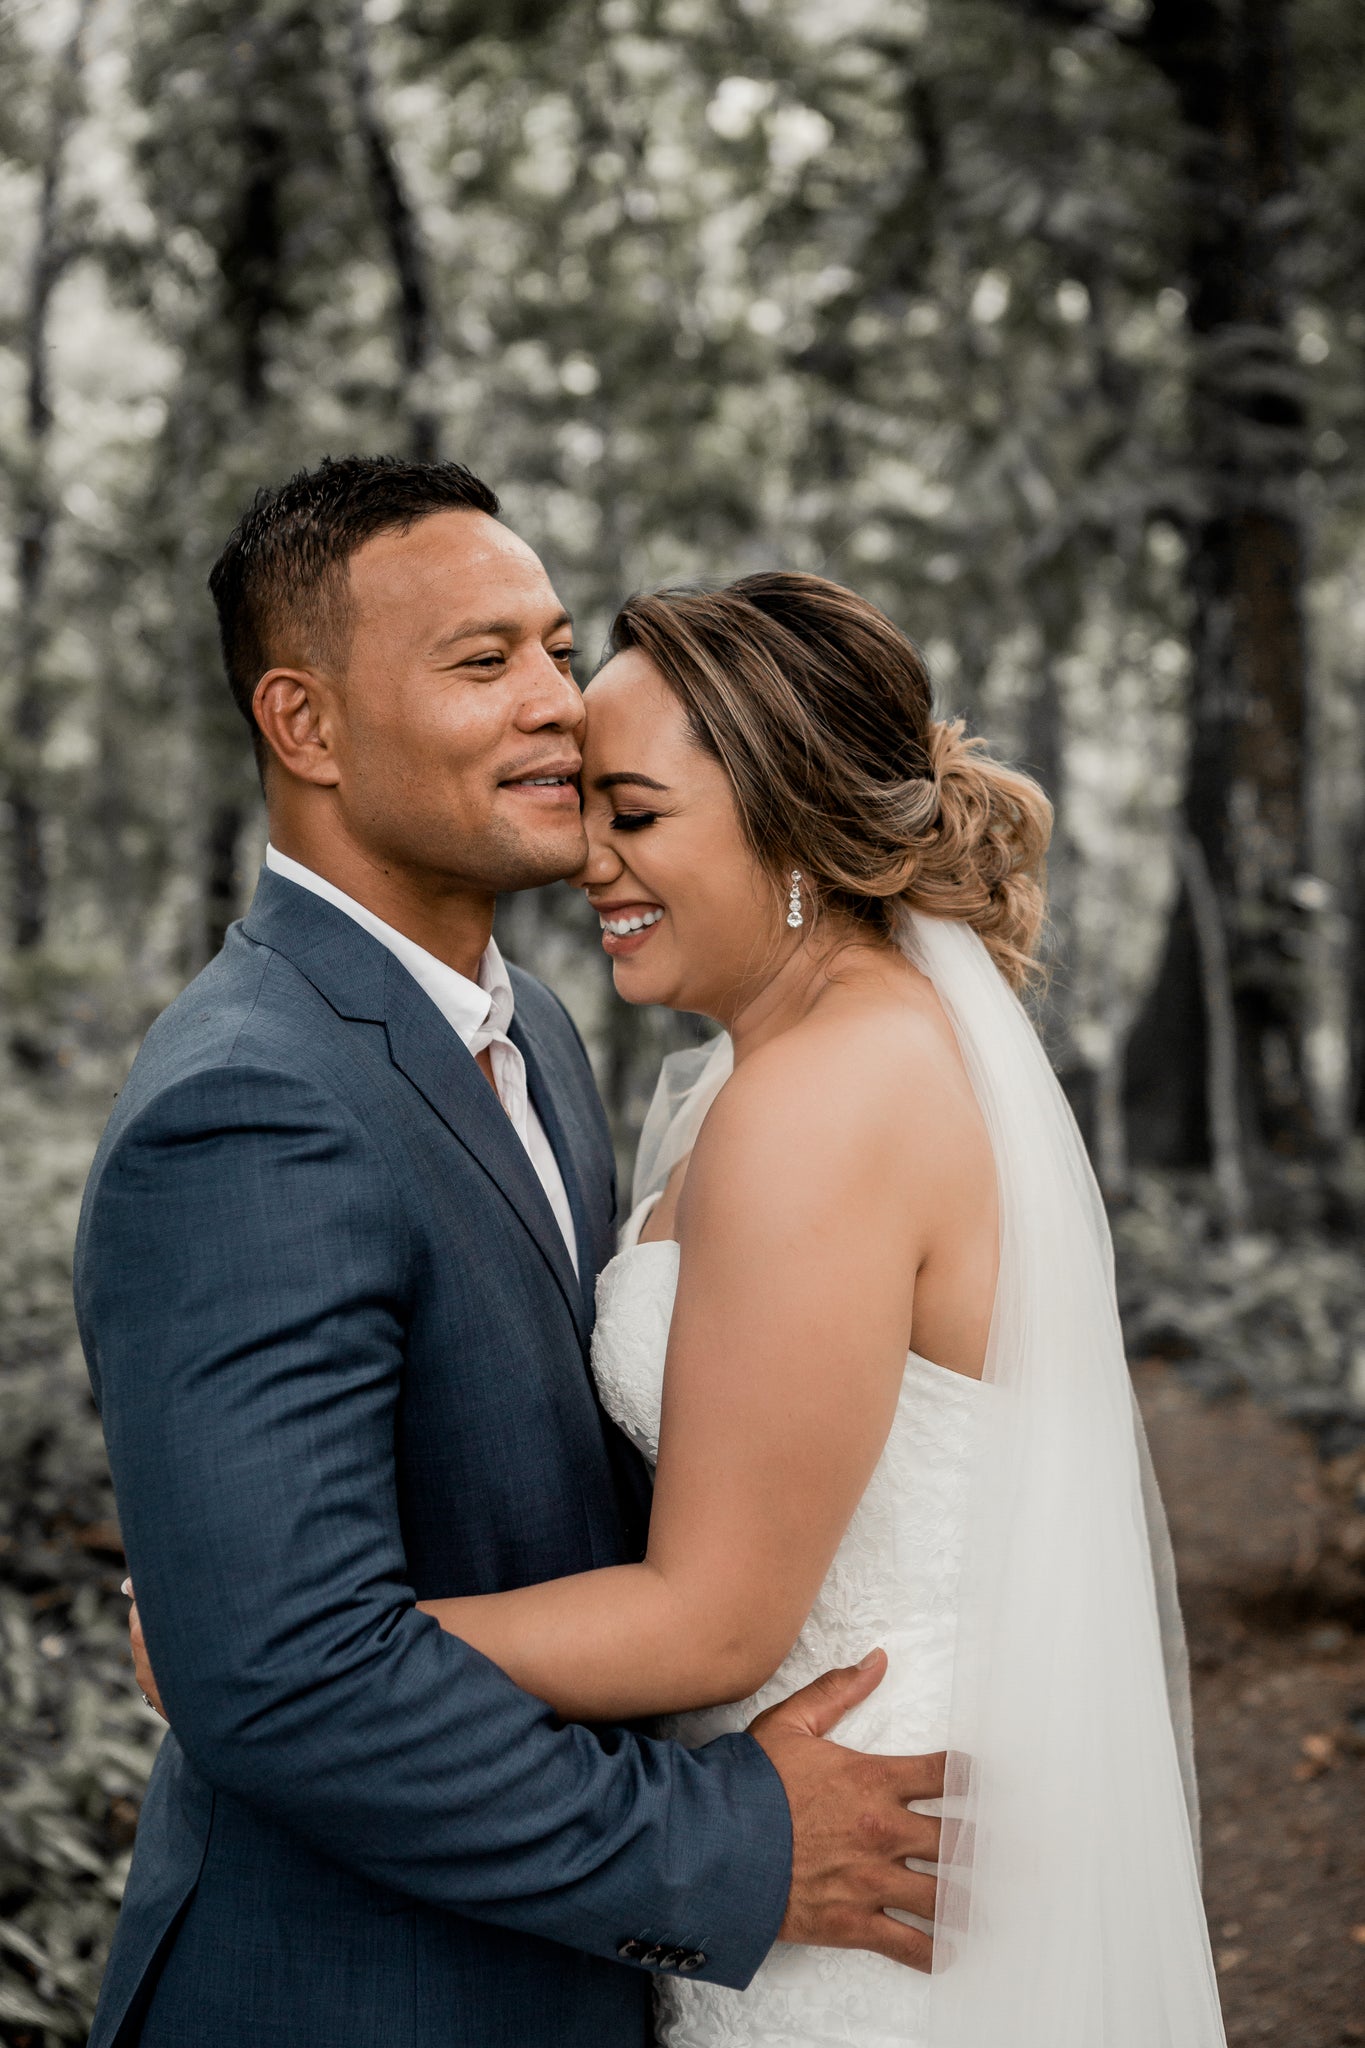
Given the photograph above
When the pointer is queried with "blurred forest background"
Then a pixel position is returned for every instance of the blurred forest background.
(1042, 322)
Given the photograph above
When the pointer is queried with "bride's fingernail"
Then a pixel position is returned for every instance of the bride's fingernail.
(127, 1589)
(869, 1660)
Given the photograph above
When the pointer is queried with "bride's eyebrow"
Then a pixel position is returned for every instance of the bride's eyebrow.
(626, 775)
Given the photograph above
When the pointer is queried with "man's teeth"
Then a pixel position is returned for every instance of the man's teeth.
(542, 781)
(619, 926)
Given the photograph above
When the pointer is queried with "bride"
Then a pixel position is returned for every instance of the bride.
(862, 1321)
(863, 1318)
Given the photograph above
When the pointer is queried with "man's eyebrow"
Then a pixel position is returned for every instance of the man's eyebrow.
(493, 629)
(626, 775)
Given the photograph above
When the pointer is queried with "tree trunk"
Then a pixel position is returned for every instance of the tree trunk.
(1109, 1140)
(1355, 981)
(403, 239)
(1056, 605)
(252, 259)
(29, 877)
(1245, 805)
(221, 839)
(1220, 1034)
(252, 255)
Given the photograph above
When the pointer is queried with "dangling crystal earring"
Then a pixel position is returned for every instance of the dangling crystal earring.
(794, 917)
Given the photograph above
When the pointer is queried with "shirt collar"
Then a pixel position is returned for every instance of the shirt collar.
(472, 1009)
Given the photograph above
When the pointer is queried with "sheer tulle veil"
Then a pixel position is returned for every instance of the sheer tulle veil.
(1069, 1906)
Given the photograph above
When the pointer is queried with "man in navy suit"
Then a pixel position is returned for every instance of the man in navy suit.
(335, 1278)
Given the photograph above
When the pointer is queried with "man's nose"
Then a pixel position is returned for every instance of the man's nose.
(552, 698)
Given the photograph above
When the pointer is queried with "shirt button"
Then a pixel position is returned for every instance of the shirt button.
(695, 1961)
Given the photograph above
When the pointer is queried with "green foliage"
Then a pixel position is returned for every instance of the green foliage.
(1283, 1315)
(890, 290)
(79, 1742)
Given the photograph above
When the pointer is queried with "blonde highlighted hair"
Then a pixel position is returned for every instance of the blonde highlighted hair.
(821, 713)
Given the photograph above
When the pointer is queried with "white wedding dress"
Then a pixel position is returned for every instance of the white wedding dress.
(893, 1583)
(1010, 1554)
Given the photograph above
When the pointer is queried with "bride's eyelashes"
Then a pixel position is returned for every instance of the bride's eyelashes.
(633, 821)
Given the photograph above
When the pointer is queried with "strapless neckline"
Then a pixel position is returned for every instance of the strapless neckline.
(912, 1358)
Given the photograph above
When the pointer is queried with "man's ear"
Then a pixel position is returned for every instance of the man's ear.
(294, 709)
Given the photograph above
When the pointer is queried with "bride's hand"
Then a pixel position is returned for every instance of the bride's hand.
(851, 1830)
(142, 1668)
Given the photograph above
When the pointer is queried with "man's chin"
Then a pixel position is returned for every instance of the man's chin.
(530, 862)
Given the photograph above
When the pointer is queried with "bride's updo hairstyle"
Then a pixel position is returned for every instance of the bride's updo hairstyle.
(821, 714)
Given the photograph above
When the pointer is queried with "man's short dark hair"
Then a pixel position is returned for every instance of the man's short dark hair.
(280, 584)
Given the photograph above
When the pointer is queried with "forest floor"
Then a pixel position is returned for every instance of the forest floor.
(1270, 1543)
(1269, 1528)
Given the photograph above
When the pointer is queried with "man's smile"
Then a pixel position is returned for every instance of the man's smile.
(552, 782)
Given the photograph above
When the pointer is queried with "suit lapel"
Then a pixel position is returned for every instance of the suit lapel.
(553, 1092)
(423, 1046)
(362, 980)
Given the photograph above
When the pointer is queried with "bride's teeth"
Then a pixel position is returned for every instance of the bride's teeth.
(622, 927)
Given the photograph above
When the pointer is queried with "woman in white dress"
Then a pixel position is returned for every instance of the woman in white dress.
(862, 1320)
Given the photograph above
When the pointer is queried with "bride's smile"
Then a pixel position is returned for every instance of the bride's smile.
(625, 926)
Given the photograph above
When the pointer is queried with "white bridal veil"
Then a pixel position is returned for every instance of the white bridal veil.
(1069, 1907)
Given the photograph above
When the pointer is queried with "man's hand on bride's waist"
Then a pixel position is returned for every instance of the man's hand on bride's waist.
(851, 1827)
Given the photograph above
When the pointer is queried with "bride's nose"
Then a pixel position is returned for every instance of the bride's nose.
(603, 863)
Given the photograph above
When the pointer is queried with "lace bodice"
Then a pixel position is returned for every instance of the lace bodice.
(892, 1583)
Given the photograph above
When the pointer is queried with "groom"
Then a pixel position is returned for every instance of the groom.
(335, 1280)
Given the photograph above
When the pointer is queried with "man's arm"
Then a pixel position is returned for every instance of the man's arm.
(786, 1359)
(243, 1296)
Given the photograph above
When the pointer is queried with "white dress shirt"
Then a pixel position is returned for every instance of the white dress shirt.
(479, 1013)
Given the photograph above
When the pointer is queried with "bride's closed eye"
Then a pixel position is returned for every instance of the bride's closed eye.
(633, 821)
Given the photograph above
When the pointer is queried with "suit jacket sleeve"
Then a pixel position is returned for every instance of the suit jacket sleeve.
(243, 1274)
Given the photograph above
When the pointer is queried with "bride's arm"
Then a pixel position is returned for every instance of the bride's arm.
(799, 1230)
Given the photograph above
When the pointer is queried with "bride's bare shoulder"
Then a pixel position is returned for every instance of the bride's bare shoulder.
(860, 1086)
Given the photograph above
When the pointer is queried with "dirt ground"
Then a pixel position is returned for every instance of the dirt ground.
(1270, 1542)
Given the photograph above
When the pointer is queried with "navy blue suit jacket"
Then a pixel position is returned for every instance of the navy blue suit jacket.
(341, 1358)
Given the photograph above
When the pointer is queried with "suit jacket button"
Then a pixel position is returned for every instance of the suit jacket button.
(695, 1961)
(631, 1951)
(671, 1958)
(654, 1956)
